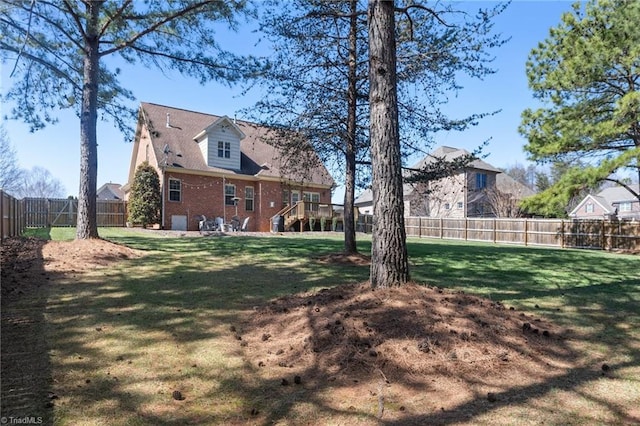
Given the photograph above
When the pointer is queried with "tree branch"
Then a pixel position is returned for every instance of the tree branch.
(153, 27)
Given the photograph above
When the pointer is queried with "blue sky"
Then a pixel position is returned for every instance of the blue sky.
(57, 148)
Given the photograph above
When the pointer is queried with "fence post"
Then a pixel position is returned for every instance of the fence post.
(495, 231)
(562, 233)
(466, 228)
(441, 228)
(526, 232)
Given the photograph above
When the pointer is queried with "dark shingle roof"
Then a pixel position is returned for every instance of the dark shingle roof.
(258, 158)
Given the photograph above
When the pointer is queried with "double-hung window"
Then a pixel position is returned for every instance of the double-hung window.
(229, 194)
(248, 198)
(175, 190)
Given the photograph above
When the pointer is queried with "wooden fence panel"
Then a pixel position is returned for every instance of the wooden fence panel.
(431, 227)
(584, 234)
(481, 229)
(11, 216)
(622, 235)
(58, 212)
(111, 213)
(590, 234)
(545, 232)
(412, 226)
(453, 229)
(511, 231)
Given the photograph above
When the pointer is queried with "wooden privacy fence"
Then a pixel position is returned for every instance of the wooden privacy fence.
(11, 215)
(45, 212)
(591, 234)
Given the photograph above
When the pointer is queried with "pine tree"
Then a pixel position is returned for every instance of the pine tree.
(586, 74)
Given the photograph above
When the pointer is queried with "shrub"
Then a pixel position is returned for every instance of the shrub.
(145, 199)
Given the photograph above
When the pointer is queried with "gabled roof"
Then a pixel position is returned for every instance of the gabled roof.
(448, 154)
(222, 121)
(173, 130)
(110, 191)
(603, 203)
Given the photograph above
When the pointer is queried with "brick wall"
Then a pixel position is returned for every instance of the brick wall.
(204, 195)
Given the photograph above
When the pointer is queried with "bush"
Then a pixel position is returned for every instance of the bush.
(145, 199)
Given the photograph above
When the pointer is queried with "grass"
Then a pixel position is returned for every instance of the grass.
(164, 319)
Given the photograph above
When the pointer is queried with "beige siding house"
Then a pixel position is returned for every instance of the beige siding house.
(464, 194)
(611, 203)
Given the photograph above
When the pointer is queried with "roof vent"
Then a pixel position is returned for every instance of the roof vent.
(168, 120)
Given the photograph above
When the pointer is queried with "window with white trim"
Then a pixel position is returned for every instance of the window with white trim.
(624, 207)
(588, 208)
(224, 149)
(229, 194)
(175, 190)
(248, 198)
(312, 200)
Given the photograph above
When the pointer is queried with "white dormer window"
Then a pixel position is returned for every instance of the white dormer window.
(224, 149)
(625, 207)
(220, 144)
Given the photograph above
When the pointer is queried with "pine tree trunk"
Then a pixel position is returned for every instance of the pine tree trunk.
(350, 153)
(389, 260)
(87, 226)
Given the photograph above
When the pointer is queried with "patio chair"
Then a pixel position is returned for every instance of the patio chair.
(245, 224)
(235, 223)
(219, 224)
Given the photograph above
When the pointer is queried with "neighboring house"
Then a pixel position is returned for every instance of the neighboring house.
(615, 202)
(110, 191)
(464, 194)
(219, 167)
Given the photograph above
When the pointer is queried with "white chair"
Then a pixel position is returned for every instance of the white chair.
(244, 224)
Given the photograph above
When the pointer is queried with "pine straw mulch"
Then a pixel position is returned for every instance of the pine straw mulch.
(402, 352)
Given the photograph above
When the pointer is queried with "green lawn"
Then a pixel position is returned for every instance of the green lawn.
(164, 318)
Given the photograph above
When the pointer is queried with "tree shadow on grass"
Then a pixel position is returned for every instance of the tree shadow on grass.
(26, 368)
(123, 339)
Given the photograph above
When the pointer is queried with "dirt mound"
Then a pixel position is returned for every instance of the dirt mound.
(390, 346)
(356, 259)
(80, 255)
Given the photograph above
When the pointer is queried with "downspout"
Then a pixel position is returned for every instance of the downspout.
(259, 205)
(466, 185)
(224, 199)
(162, 197)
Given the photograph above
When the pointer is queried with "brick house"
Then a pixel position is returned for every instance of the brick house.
(615, 202)
(464, 194)
(220, 167)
